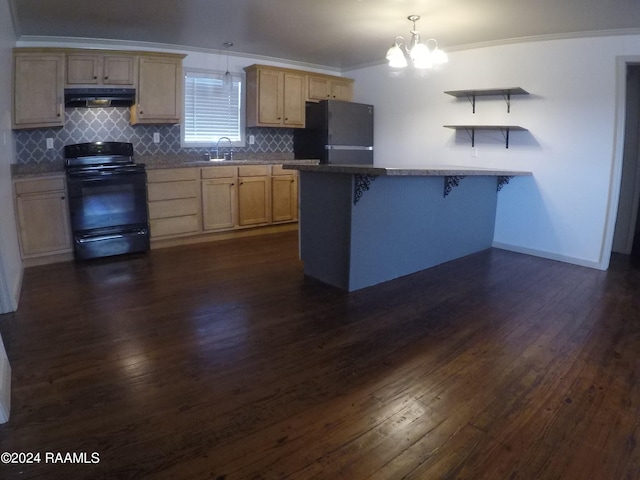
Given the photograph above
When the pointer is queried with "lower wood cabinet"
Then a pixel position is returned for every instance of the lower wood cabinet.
(174, 202)
(192, 201)
(219, 204)
(182, 202)
(254, 195)
(43, 216)
(284, 195)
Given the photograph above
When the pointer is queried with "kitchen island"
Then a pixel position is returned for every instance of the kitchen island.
(363, 225)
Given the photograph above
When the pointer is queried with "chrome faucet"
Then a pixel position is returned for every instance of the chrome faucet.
(230, 149)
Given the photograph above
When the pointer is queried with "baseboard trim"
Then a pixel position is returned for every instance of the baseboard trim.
(5, 385)
(549, 255)
(224, 235)
(17, 289)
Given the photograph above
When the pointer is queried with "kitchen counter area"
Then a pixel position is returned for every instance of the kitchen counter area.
(363, 225)
(162, 161)
(189, 200)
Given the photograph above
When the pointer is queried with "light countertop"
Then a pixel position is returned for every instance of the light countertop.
(152, 162)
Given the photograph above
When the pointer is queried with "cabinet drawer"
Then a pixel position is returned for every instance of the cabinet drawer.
(171, 190)
(219, 172)
(161, 227)
(173, 208)
(253, 171)
(278, 170)
(171, 174)
(39, 185)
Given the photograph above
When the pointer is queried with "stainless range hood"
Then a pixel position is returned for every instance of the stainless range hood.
(99, 97)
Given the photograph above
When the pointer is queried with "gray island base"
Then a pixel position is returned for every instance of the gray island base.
(360, 226)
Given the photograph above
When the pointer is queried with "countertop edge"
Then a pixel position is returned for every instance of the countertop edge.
(395, 171)
(41, 171)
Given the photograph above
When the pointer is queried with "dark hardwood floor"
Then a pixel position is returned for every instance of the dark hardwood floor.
(221, 361)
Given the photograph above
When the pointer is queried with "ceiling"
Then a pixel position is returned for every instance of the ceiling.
(340, 34)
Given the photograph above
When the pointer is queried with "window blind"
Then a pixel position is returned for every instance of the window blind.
(211, 112)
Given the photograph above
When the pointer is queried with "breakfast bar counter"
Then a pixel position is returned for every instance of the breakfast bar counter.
(362, 225)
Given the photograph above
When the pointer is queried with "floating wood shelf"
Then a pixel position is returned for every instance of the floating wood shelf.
(471, 130)
(472, 94)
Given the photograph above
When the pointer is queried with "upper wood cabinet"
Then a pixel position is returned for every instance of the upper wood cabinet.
(275, 97)
(38, 90)
(322, 87)
(97, 69)
(41, 74)
(159, 92)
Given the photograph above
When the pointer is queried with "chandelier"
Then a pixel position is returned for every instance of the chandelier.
(422, 55)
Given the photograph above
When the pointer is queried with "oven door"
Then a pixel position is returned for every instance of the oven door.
(103, 199)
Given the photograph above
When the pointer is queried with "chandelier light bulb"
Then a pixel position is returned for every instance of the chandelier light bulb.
(395, 57)
(423, 56)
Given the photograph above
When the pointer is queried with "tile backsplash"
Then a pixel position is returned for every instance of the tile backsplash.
(112, 124)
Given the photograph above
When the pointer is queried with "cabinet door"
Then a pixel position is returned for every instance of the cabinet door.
(159, 93)
(294, 107)
(270, 97)
(318, 88)
(118, 70)
(38, 90)
(342, 90)
(219, 204)
(253, 200)
(83, 69)
(44, 223)
(284, 198)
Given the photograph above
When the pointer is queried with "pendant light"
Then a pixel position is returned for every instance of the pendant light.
(227, 79)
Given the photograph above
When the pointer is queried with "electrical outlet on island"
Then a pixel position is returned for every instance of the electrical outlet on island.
(156, 137)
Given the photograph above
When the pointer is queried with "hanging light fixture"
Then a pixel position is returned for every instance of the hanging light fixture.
(422, 55)
(227, 79)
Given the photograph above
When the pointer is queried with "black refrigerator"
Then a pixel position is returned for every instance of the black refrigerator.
(336, 132)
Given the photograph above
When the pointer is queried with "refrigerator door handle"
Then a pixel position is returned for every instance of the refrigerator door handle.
(346, 147)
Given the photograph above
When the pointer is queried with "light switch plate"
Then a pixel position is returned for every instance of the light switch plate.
(156, 137)
(49, 143)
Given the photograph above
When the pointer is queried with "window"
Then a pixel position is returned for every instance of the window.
(209, 111)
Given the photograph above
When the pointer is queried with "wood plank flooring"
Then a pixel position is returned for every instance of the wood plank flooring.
(222, 361)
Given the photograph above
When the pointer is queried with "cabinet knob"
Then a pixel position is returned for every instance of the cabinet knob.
(95, 77)
(106, 78)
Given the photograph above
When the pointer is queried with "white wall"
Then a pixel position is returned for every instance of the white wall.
(561, 212)
(10, 263)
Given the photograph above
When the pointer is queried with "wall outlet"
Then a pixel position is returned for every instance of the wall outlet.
(156, 137)
(49, 143)
(474, 152)
(252, 139)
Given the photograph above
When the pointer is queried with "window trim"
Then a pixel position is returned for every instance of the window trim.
(236, 75)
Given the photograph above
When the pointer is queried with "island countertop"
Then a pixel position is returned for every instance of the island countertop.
(433, 171)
